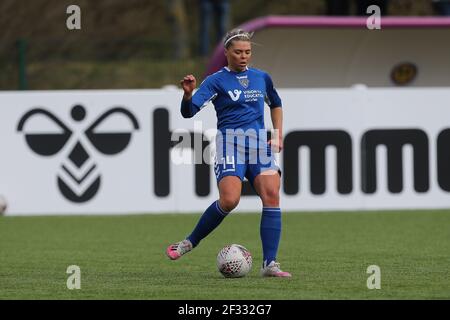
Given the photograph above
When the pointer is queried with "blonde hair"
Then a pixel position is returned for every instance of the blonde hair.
(236, 34)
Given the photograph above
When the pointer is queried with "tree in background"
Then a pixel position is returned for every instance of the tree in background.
(177, 20)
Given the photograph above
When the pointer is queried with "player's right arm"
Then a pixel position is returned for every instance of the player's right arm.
(193, 103)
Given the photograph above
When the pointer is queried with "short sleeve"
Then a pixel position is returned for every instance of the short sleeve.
(205, 94)
(272, 98)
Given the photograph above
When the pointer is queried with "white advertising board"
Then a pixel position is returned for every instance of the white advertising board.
(110, 151)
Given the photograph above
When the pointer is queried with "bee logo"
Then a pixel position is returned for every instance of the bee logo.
(404, 73)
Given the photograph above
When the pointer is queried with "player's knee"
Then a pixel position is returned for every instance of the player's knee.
(270, 198)
(228, 203)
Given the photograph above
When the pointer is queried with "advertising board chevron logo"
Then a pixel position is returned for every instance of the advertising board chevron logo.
(78, 177)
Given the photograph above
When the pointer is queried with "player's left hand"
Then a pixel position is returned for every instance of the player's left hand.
(276, 144)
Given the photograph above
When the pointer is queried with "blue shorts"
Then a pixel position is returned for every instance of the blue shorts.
(243, 161)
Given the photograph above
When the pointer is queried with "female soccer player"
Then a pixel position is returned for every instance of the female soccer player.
(238, 94)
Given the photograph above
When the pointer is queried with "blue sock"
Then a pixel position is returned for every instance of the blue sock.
(270, 231)
(210, 219)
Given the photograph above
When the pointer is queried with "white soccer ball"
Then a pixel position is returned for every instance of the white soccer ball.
(234, 261)
(3, 204)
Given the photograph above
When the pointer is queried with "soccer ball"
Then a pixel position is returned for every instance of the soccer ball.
(234, 261)
(3, 204)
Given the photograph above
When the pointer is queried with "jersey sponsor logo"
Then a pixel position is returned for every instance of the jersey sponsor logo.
(253, 95)
(236, 95)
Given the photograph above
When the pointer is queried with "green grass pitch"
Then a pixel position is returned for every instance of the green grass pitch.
(123, 257)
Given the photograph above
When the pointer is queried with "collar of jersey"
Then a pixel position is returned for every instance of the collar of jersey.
(231, 71)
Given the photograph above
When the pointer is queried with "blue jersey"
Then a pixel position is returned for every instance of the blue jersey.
(238, 98)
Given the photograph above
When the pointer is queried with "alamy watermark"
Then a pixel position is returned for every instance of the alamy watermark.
(73, 22)
(374, 280)
(374, 21)
(234, 145)
(74, 280)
